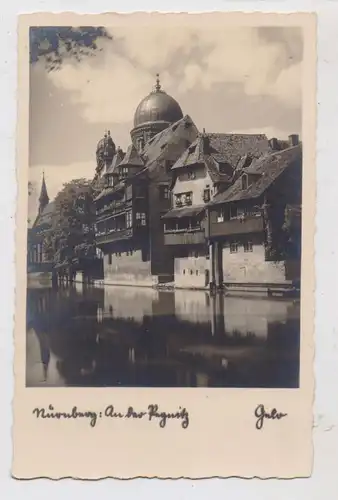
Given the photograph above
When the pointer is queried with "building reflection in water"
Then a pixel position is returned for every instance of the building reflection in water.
(124, 336)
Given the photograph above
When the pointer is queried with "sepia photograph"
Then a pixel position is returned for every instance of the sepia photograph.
(165, 245)
(164, 206)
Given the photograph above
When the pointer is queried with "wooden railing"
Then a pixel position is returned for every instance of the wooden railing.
(249, 224)
(184, 237)
(114, 235)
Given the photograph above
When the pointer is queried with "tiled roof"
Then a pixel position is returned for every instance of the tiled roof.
(267, 168)
(132, 157)
(216, 149)
(178, 213)
(170, 143)
(230, 148)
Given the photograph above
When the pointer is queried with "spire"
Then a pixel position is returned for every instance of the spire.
(158, 85)
(43, 198)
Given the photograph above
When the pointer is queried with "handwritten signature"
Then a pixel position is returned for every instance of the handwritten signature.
(261, 414)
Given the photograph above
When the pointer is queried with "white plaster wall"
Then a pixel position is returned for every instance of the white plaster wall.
(196, 186)
(190, 272)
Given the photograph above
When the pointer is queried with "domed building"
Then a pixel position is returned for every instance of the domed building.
(105, 152)
(151, 207)
(156, 112)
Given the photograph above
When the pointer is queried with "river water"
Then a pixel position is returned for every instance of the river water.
(123, 336)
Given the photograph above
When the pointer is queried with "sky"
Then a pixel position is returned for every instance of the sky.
(238, 79)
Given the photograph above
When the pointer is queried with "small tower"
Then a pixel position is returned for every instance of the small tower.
(43, 198)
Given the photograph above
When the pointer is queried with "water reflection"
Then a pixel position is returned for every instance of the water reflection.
(120, 336)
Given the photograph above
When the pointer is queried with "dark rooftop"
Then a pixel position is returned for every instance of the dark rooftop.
(165, 144)
(178, 213)
(267, 169)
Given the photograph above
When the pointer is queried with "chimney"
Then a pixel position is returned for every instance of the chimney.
(293, 140)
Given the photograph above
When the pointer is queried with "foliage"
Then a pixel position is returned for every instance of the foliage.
(282, 230)
(72, 232)
(55, 43)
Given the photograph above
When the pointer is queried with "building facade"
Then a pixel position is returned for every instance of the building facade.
(193, 209)
(247, 224)
(135, 192)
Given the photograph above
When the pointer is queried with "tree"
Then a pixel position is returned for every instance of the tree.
(56, 43)
(72, 232)
(293, 229)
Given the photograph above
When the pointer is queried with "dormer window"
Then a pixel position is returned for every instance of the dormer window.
(191, 175)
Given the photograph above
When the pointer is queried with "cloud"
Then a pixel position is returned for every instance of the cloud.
(109, 87)
(228, 80)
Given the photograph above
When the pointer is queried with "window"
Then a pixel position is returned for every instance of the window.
(129, 219)
(237, 212)
(220, 216)
(110, 261)
(124, 172)
(188, 198)
(140, 143)
(141, 219)
(206, 195)
(247, 246)
(164, 192)
(178, 200)
(233, 247)
(245, 181)
(191, 175)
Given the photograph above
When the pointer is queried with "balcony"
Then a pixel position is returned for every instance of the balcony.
(188, 236)
(114, 207)
(246, 225)
(114, 235)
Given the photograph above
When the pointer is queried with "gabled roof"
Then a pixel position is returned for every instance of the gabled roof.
(132, 158)
(202, 151)
(267, 169)
(170, 143)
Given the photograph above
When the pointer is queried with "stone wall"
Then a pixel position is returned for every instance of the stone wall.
(128, 270)
(190, 272)
(251, 267)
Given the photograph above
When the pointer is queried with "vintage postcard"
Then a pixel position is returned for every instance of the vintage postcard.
(165, 245)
